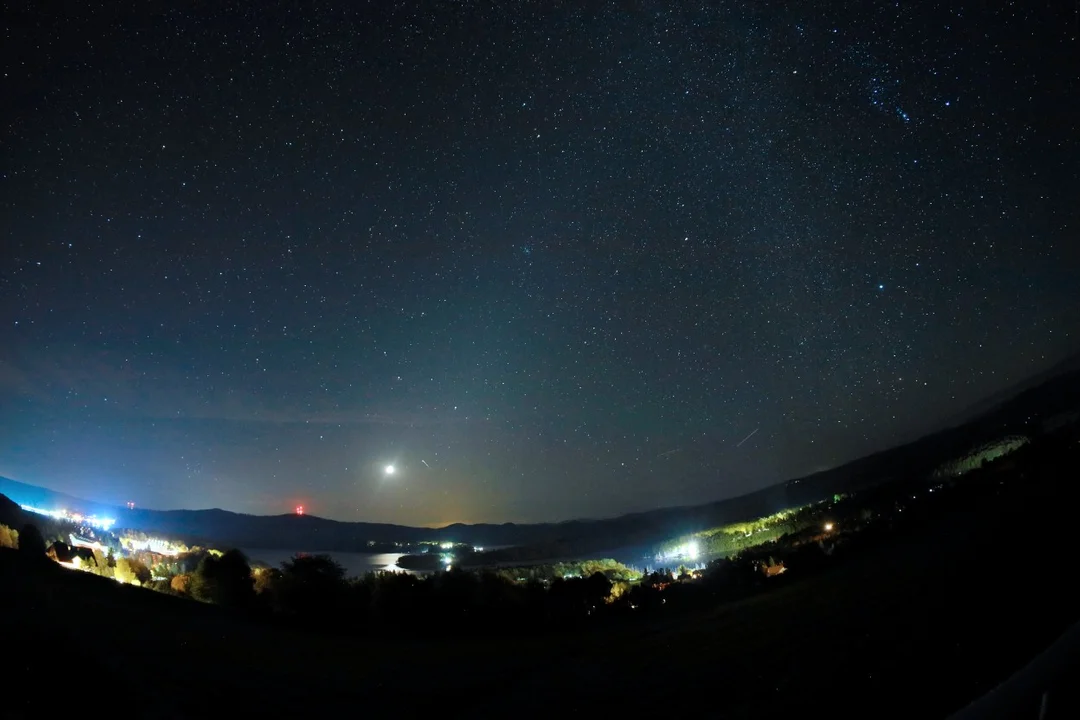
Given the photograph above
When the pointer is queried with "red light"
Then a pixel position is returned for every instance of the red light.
(299, 509)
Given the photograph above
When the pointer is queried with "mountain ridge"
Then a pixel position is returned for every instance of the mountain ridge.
(1065, 366)
(1030, 411)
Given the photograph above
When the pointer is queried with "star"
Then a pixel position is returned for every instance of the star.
(512, 248)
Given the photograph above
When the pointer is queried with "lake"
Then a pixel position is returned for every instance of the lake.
(355, 564)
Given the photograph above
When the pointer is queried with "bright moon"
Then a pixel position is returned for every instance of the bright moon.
(389, 470)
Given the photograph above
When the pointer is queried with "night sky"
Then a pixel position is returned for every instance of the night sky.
(551, 260)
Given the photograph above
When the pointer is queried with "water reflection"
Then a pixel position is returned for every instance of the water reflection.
(355, 564)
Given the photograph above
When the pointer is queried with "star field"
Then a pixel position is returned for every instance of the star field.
(546, 260)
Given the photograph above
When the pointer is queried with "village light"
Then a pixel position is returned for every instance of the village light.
(692, 550)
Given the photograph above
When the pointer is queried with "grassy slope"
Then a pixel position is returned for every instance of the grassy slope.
(923, 624)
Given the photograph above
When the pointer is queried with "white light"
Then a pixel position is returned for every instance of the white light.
(692, 550)
(92, 520)
(389, 469)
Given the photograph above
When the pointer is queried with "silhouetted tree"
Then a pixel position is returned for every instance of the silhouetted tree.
(644, 597)
(224, 580)
(267, 580)
(499, 600)
(574, 598)
(31, 542)
(455, 594)
(313, 569)
(535, 597)
(314, 587)
(395, 596)
(598, 587)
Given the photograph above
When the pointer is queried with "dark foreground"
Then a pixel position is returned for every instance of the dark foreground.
(919, 625)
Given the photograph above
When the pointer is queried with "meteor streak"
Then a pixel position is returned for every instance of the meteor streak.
(747, 437)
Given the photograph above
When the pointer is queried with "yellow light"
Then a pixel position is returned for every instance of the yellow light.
(828, 527)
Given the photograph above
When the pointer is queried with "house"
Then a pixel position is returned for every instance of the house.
(81, 542)
(772, 569)
(75, 558)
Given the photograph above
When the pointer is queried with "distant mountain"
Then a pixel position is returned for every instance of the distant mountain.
(225, 528)
(1030, 411)
(1065, 367)
(40, 497)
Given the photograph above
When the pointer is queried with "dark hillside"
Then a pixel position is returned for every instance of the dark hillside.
(951, 603)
